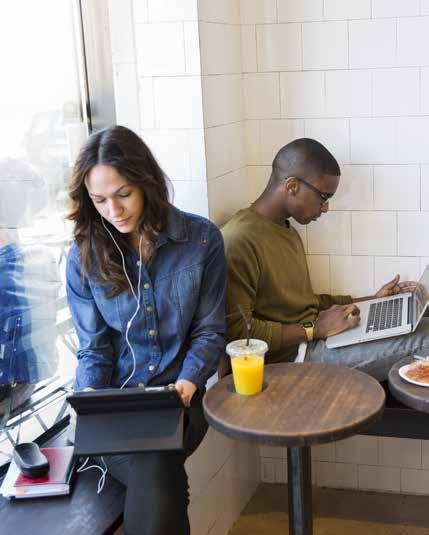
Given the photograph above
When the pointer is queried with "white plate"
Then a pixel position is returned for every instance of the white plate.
(403, 370)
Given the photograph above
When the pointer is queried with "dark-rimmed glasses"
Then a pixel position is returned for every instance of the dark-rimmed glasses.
(324, 196)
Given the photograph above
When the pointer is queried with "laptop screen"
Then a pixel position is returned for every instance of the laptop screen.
(421, 295)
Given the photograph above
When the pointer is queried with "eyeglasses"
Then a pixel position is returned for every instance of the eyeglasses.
(324, 196)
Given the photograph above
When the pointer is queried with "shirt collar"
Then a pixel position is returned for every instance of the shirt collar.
(176, 230)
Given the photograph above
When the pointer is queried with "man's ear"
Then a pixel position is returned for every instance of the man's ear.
(291, 185)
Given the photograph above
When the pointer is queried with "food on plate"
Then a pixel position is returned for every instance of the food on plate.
(418, 371)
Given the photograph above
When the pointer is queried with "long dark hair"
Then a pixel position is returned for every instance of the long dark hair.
(123, 150)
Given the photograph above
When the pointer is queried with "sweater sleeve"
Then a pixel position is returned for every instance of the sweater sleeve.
(242, 288)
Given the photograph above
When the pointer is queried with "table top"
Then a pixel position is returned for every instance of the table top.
(414, 396)
(300, 404)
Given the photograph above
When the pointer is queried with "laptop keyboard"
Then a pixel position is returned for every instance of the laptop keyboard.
(384, 315)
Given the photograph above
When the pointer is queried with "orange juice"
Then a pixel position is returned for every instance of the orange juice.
(248, 373)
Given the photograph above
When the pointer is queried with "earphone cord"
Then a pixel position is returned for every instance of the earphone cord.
(84, 466)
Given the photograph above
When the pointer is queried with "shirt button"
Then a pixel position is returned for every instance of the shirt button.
(138, 262)
(141, 385)
(146, 286)
(152, 332)
(149, 309)
(151, 368)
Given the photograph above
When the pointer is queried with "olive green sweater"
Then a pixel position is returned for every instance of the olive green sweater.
(268, 276)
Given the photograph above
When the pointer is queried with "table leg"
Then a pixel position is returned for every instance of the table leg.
(299, 490)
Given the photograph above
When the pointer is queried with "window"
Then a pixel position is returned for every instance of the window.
(45, 110)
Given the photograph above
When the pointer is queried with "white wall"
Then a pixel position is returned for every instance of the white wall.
(353, 74)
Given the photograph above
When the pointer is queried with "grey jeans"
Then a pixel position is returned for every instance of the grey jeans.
(376, 357)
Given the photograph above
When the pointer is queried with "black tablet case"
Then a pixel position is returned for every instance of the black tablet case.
(113, 421)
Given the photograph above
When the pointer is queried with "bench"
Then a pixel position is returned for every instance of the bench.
(84, 511)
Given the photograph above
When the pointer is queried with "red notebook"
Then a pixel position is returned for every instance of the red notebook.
(60, 460)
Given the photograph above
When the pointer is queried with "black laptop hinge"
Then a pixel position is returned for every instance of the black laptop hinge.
(410, 318)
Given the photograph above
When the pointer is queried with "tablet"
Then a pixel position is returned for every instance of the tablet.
(114, 421)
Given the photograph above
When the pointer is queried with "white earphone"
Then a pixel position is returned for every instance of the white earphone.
(136, 297)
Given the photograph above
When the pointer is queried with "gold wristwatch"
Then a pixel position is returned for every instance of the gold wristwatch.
(309, 330)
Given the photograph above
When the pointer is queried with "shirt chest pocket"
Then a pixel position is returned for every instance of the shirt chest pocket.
(177, 296)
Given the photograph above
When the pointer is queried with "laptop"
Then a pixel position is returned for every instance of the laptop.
(115, 421)
(387, 316)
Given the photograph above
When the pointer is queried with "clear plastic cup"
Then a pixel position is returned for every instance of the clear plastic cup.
(247, 363)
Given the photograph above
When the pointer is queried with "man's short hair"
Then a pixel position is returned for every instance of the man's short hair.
(304, 157)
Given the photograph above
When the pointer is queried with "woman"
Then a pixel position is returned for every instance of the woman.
(145, 285)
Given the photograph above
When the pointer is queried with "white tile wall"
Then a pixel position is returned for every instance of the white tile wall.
(348, 93)
(323, 452)
(413, 40)
(126, 95)
(291, 11)
(222, 207)
(347, 9)
(224, 149)
(222, 99)
(396, 91)
(336, 475)
(160, 49)
(192, 48)
(147, 108)
(374, 233)
(395, 8)
(412, 140)
(412, 238)
(252, 142)
(168, 92)
(334, 133)
(258, 11)
(352, 275)
(220, 48)
(275, 134)
(357, 449)
(415, 481)
(386, 267)
(319, 268)
(424, 191)
(261, 96)
(191, 196)
(397, 187)
(121, 31)
(379, 478)
(325, 45)
(140, 10)
(372, 43)
(372, 140)
(406, 453)
(171, 10)
(221, 11)
(257, 178)
(248, 49)
(424, 90)
(355, 190)
(331, 234)
(302, 94)
(279, 47)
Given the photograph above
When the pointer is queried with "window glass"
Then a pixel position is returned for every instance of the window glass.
(42, 127)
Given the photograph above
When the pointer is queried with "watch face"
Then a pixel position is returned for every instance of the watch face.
(308, 324)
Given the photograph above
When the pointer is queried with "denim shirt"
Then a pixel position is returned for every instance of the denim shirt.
(179, 330)
(27, 316)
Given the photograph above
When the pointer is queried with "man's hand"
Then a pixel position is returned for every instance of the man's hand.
(336, 319)
(394, 287)
(186, 390)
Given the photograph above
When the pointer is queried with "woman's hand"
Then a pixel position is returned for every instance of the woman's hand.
(186, 390)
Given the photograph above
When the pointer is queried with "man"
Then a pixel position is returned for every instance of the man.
(268, 274)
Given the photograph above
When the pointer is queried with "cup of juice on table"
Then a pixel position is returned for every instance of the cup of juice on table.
(247, 363)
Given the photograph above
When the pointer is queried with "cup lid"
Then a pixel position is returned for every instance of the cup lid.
(240, 347)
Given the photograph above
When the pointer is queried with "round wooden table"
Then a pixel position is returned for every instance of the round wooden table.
(414, 396)
(300, 405)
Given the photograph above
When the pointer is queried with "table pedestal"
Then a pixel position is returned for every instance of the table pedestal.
(300, 491)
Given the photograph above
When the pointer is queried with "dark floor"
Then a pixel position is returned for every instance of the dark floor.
(337, 512)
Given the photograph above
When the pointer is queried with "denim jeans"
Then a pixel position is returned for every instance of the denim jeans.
(157, 497)
(376, 357)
